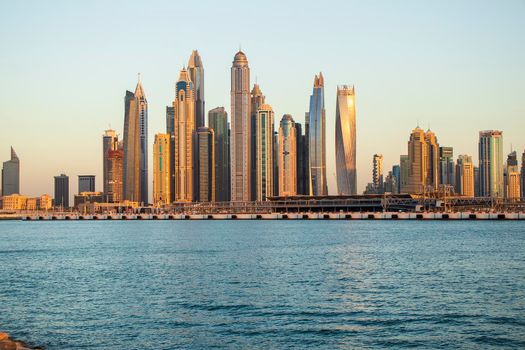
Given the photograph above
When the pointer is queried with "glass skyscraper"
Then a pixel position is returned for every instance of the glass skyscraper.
(345, 141)
(196, 71)
(491, 163)
(11, 175)
(264, 153)
(218, 121)
(317, 139)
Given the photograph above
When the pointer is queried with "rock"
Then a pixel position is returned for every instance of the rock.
(3, 336)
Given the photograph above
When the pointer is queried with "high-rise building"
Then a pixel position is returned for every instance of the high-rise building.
(135, 166)
(257, 99)
(423, 159)
(523, 175)
(390, 184)
(161, 170)
(491, 163)
(301, 161)
(404, 167)
(432, 163)
(477, 183)
(184, 122)
(446, 166)
(240, 139)
(511, 177)
(114, 174)
(196, 71)
(86, 183)
(109, 143)
(264, 152)
(170, 119)
(396, 173)
(465, 176)
(377, 173)
(62, 191)
(287, 157)
(345, 141)
(11, 175)
(317, 139)
(218, 121)
(205, 166)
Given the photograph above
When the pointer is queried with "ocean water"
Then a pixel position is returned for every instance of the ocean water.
(263, 284)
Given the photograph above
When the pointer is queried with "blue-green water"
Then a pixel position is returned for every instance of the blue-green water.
(263, 284)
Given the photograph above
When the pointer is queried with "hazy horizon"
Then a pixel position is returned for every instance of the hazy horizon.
(454, 66)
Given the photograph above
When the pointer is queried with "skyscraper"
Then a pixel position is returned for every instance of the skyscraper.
(109, 143)
(377, 173)
(205, 167)
(396, 173)
(432, 163)
(417, 162)
(11, 175)
(257, 99)
(491, 163)
(446, 166)
(465, 176)
(218, 121)
(511, 177)
(287, 157)
(62, 191)
(523, 175)
(317, 141)
(264, 152)
(135, 167)
(404, 169)
(170, 130)
(170, 119)
(86, 183)
(240, 140)
(302, 160)
(196, 71)
(161, 169)
(345, 141)
(477, 183)
(184, 122)
(114, 174)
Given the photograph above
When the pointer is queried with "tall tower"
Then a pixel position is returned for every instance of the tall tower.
(196, 71)
(184, 122)
(135, 167)
(161, 169)
(404, 169)
(264, 153)
(257, 99)
(432, 163)
(11, 175)
(62, 191)
(317, 142)
(287, 157)
(205, 164)
(218, 121)
(491, 163)
(109, 143)
(345, 141)
(523, 175)
(240, 140)
(377, 173)
(465, 176)
(417, 162)
(446, 166)
(114, 174)
(511, 177)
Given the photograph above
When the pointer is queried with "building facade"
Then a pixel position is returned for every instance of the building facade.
(114, 187)
(511, 176)
(62, 191)
(135, 163)
(287, 157)
(240, 137)
(109, 143)
(205, 167)
(196, 71)
(465, 176)
(161, 170)
(377, 173)
(447, 167)
(404, 169)
(432, 163)
(11, 175)
(257, 99)
(86, 183)
(345, 141)
(491, 163)
(264, 153)
(317, 139)
(218, 121)
(523, 175)
(417, 162)
(184, 121)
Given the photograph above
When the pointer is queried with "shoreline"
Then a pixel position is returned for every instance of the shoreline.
(8, 343)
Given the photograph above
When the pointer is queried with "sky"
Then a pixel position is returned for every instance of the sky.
(457, 67)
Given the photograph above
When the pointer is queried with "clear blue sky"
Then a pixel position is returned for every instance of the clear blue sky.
(458, 66)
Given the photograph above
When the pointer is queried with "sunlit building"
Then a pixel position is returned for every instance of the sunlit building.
(135, 163)
(345, 141)
(11, 175)
(491, 163)
(432, 163)
(14, 201)
(240, 137)
(377, 173)
(109, 143)
(523, 175)
(317, 139)
(218, 121)
(465, 176)
(287, 157)
(264, 152)
(196, 72)
(161, 169)
(184, 121)
(446, 166)
(114, 187)
(257, 99)
(417, 162)
(511, 177)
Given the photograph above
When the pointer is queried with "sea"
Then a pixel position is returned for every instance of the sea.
(327, 284)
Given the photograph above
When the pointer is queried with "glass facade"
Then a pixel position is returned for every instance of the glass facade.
(317, 139)
(345, 141)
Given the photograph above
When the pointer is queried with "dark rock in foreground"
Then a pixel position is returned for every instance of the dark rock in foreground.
(7, 343)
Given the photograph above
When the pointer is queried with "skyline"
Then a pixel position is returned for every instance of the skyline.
(472, 87)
